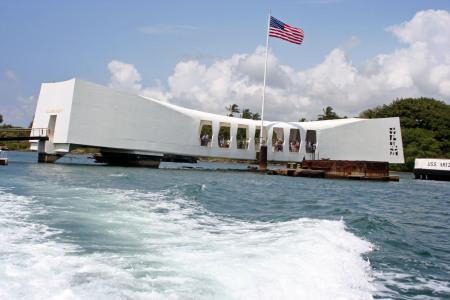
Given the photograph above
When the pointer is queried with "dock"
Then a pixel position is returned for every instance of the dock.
(432, 169)
(3, 158)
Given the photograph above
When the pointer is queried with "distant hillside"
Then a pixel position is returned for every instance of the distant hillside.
(425, 126)
(13, 145)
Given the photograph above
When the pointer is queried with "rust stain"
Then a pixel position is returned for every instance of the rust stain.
(347, 167)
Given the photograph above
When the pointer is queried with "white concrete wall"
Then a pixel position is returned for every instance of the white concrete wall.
(55, 99)
(361, 140)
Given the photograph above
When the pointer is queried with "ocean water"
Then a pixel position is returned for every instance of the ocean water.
(78, 230)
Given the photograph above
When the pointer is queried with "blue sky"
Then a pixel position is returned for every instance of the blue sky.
(209, 54)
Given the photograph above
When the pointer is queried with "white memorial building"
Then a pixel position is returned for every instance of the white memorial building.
(133, 129)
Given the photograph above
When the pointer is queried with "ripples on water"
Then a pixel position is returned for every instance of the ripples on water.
(75, 231)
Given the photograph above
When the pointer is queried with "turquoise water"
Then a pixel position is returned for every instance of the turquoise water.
(75, 230)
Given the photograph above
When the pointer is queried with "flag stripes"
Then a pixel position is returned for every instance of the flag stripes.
(285, 32)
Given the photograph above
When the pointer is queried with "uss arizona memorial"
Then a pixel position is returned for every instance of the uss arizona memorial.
(136, 130)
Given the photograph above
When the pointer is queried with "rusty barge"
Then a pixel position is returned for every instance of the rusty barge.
(338, 169)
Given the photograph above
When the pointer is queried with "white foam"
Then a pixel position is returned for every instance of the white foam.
(408, 282)
(118, 175)
(181, 251)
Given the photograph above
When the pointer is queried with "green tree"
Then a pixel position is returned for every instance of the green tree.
(1, 119)
(246, 114)
(256, 116)
(417, 142)
(328, 114)
(234, 108)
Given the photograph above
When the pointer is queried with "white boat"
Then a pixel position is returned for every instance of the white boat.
(432, 169)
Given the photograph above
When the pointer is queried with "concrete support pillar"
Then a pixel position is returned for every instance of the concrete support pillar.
(46, 156)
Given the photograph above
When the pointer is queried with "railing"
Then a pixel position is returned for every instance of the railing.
(40, 132)
(21, 134)
(34, 132)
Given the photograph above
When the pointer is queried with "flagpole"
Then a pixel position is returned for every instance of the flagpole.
(263, 144)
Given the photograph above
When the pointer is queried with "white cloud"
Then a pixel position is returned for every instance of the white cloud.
(422, 68)
(12, 75)
(430, 26)
(124, 77)
(25, 102)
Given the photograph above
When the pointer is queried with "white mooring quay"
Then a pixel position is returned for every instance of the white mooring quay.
(135, 130)
(3, 158)
(432, 169)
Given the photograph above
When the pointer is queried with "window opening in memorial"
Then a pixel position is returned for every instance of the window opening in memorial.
(51, 126)
(242, 137)
(257, 136)
(224, 137)
(278, 139)
(310, 141)
(205, 135)
(294, 140)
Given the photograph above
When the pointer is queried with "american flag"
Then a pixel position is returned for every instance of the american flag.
(285, 32)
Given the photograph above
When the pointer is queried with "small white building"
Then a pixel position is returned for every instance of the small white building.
(130, 128)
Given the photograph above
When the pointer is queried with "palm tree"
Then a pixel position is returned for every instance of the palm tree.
(256, 116)
(246, 114)
(328, 114)
(232, 109)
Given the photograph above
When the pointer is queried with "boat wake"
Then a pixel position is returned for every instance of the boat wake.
(128, 244)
